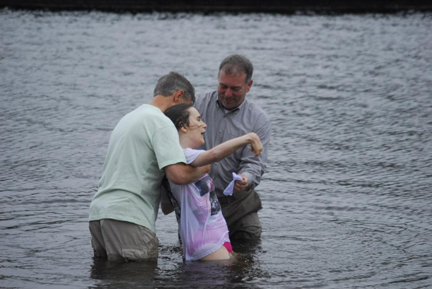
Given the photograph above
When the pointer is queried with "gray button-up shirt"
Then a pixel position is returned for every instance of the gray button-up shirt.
(223, 125)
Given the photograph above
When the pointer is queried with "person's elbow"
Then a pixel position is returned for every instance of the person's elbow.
(182, 174)
(178, 173)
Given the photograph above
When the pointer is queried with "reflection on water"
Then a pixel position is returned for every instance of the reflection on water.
(122, 275)
(239, 270)
(346, 195)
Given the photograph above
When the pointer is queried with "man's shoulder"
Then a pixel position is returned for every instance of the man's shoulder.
(255, 109)
(208, 94)
(149, 117)
(205, 98)
(145, 110)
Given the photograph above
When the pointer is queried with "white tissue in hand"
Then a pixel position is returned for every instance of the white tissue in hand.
(230, 188)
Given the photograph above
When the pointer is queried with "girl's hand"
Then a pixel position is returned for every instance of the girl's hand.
(255, 144)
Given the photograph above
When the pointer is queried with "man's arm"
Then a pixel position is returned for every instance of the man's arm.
(252, 168)
(182, 174)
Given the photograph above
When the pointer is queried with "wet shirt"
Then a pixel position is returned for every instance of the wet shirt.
(202, 227)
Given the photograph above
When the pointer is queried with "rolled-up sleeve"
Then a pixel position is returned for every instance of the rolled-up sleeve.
(253, 167)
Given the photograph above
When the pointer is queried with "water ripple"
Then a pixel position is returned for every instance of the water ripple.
(346, 194)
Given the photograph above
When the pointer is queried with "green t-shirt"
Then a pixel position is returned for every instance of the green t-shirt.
(141, 145)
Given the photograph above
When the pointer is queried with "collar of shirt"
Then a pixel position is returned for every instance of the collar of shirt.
(226, 111)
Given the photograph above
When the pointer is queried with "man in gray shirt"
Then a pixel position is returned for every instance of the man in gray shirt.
(229, 114)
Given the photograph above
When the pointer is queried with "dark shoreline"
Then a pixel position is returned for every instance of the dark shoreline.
(233, 6)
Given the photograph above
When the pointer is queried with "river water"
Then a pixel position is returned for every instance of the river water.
(347, 194)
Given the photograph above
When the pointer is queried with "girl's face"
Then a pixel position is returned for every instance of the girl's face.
(196, 128)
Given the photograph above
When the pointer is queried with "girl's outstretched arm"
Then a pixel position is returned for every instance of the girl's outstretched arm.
(229, 147)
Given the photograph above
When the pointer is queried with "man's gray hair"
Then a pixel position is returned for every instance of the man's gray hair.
(236, 63)
(173, 81)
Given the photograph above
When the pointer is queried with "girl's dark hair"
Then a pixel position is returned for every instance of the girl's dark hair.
(179, 114)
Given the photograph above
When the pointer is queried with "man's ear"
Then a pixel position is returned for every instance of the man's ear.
(178, 96)
(249, 85)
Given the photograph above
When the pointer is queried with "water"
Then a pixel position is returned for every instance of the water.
(347, 194)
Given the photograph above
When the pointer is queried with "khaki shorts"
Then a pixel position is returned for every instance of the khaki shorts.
(123, 241)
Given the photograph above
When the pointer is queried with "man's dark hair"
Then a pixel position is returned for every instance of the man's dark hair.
(173, 81)
(236, 63)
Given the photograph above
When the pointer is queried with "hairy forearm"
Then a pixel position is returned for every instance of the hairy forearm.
(182, 174)
(192, 174)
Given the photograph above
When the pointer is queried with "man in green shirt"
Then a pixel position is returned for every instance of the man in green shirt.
(143, 147)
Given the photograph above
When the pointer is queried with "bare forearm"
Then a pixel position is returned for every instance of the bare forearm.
(227, 148)
(182, 174)
(192, 174)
